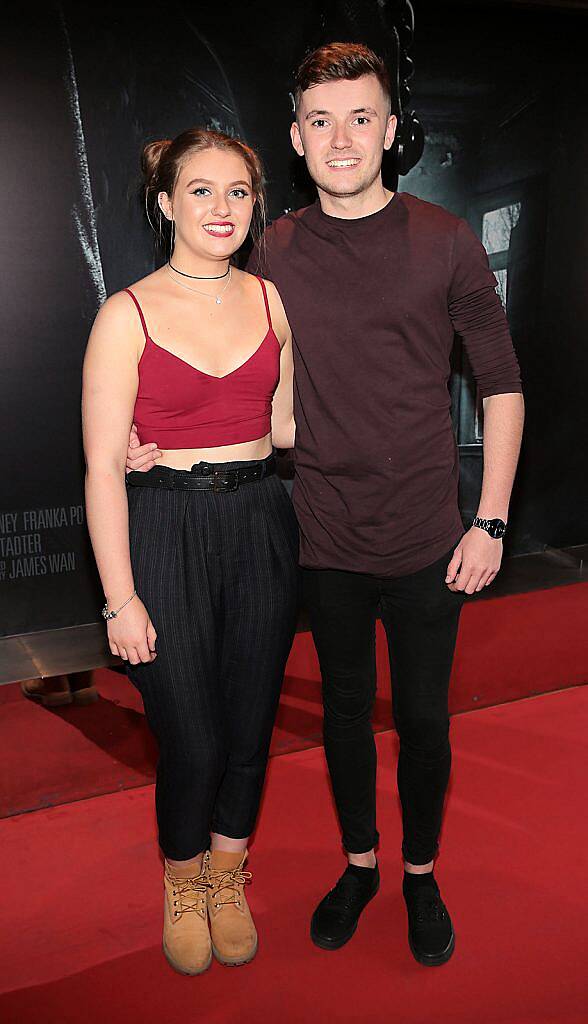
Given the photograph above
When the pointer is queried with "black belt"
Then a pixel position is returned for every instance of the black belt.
(204, 476)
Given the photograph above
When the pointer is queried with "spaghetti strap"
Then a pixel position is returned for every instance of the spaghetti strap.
(140, 312)
(267, 309)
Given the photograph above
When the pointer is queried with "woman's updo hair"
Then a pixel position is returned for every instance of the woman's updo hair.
(163, 160)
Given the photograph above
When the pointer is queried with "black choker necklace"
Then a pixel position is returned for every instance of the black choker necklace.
(195, 277)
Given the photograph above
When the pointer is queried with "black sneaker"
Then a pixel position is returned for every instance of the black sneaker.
(430, 931)
(336, 917)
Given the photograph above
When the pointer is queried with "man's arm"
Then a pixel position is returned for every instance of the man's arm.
(504, 416)
(140, 457)
(478, 317)
(478, 556)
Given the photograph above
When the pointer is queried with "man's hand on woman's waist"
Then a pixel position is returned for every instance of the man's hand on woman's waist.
(140, 457)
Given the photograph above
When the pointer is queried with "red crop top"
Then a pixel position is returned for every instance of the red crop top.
(179, 406)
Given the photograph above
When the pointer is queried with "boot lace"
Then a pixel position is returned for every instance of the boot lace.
(227, 884)
(189, 894)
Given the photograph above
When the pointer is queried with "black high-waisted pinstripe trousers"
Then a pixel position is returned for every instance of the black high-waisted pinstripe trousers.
(218, 574)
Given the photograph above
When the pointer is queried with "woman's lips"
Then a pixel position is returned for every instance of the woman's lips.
(222, 229)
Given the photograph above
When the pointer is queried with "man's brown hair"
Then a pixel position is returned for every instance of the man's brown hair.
(340, 61)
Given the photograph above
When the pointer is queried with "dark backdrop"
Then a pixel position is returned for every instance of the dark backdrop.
(501, 92)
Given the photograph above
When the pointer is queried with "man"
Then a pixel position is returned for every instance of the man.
(374, 285)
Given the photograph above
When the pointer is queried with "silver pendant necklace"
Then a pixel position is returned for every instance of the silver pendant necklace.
(217, 298)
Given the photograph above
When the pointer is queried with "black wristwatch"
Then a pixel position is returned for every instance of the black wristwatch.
(496, 528)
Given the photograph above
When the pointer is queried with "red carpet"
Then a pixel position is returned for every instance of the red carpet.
(80, 939)
(508, 648)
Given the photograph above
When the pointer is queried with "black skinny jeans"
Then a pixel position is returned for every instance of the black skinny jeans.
(420, 615)
(218, 574)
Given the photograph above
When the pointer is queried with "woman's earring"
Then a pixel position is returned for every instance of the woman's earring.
(172, 238)
(160, 235)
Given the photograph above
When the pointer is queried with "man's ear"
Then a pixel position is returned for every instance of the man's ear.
(296, 139)
(390, 131)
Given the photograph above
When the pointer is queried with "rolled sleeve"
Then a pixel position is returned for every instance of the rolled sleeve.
(477, 316)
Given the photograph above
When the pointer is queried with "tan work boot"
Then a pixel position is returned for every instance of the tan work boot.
(186, 938)
(234, 938)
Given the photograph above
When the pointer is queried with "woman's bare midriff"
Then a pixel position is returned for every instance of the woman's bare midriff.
(185, 458)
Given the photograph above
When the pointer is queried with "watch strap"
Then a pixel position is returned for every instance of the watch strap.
(489, 525)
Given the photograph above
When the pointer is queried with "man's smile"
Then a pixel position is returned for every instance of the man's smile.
(350, 161)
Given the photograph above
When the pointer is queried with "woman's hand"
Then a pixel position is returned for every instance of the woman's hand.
(132, 635)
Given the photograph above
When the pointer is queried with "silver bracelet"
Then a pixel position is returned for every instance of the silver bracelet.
(112, 615)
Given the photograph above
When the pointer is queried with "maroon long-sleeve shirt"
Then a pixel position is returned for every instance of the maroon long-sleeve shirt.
(373, 304)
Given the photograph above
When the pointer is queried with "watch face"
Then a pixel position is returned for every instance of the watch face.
(496, 528)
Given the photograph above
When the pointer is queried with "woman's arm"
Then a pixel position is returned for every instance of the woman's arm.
(109, 391)
(283, 425)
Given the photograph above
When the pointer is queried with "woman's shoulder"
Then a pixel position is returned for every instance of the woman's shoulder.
(276, 307)
(120, 320)
(150, 283)
(142, 288)
(270, 288)
(123, 306)
(275, 301)
(117, 320)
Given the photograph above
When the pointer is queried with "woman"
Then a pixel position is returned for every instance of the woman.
(200, 571)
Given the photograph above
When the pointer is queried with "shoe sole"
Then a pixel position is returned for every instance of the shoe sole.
(337, 943)
(438, 959)
(228, 961)
(182, 970)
